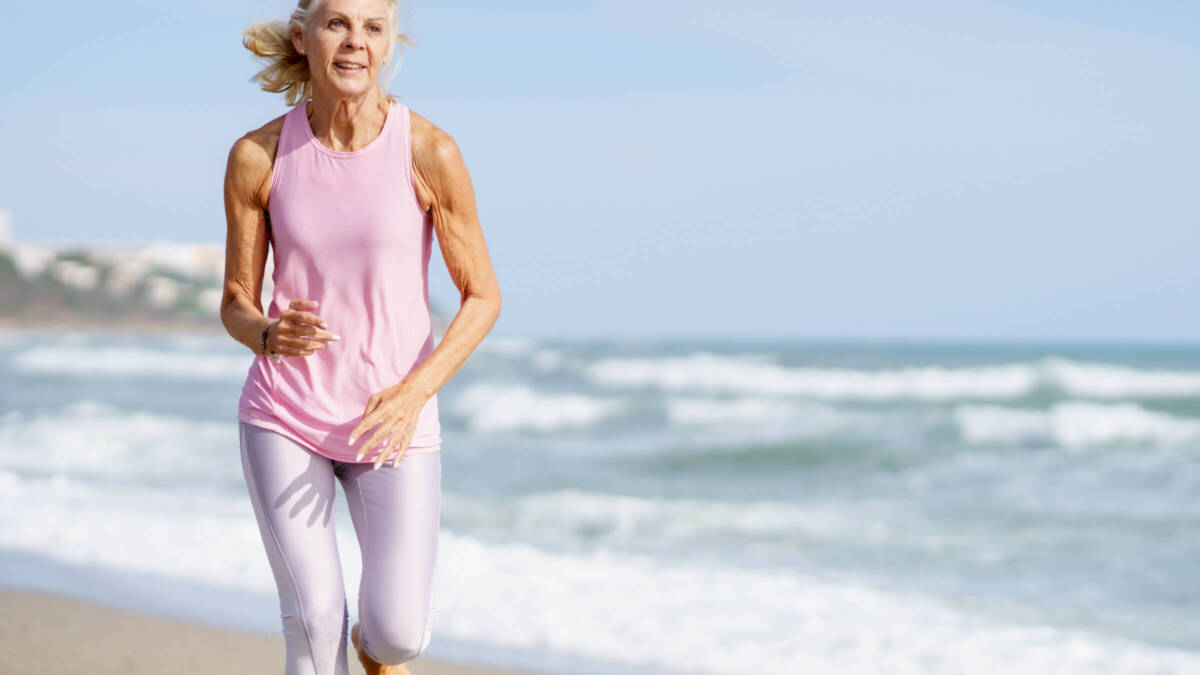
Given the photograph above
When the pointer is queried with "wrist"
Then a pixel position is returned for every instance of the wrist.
(414, 383)
(262, 340)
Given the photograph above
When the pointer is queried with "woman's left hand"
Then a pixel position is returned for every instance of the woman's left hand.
(395, 410)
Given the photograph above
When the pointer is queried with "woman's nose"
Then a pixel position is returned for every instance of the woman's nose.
(355, 39)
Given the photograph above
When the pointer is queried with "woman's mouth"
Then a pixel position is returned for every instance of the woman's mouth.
(349, 67)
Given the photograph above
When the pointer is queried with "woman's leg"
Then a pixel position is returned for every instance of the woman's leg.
(292, 491)
(396, 513)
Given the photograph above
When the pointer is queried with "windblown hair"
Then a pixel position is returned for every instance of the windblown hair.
(287, 69)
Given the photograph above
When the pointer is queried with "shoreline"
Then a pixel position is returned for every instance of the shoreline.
(18, 325)
(50, 633)
(137, 325)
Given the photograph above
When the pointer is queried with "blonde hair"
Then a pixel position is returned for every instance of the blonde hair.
(287, 69)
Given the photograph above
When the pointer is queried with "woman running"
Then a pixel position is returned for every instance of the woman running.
(347, 188)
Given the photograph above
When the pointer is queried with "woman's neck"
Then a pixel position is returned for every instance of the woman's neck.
(347, 124)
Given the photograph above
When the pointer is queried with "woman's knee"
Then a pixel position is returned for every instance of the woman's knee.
(397, 640)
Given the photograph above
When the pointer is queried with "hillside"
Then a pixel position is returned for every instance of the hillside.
(155, 286)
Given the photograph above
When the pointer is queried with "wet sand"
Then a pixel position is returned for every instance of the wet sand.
(42, 634)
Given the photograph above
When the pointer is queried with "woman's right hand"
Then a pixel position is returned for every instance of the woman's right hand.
(299, 332)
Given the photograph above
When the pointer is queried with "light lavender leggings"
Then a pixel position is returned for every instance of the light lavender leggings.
(395, 511)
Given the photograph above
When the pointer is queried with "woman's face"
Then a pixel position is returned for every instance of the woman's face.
(346, 44)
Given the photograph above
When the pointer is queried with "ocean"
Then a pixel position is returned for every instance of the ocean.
(698, 506)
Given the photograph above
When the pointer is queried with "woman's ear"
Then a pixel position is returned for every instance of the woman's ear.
(298, 39)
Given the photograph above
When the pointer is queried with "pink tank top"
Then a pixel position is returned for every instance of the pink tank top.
(347, 231)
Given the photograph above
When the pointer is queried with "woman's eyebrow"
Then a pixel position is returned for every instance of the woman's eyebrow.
(334, 12)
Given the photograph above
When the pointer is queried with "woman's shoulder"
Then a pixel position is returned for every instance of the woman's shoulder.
(435, 157)
(253, 155)
(259, 144)
(428, 140)
(434, 151)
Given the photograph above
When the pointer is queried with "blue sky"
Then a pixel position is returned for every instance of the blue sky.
(957, 170)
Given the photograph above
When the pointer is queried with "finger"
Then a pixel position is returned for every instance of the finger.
(388, 449)
(311, 335)
(300, 334)
(314, 334)
(323, 336)
(376, 438)
(400, 456)
(304, 307)
(373, 440)
(299, 316)
(285, 346)
(392, 449)
(296, 311)
(378, 412)
(372, 403)
(367, 422)
(357, 431)
(400, 443)
(282, 327)
(382, 458)
(295, 344)
(362, 450)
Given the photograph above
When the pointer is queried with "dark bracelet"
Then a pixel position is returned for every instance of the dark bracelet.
(264, 335)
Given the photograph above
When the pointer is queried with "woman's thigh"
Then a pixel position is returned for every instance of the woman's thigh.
(396, 513)
(292, 490)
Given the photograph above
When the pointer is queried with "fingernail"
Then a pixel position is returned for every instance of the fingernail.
(322, 324)
(337, 337)
(352, 439)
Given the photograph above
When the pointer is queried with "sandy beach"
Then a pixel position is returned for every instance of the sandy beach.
(43, 634)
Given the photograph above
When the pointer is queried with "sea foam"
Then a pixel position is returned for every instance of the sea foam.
(603, 604)
(104, 442)
(494, 406)
(1074, 424)
(704, 372)
(84, 360)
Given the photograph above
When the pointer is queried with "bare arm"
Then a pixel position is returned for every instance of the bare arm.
(246, 246)
(445, 190)
(246, 241)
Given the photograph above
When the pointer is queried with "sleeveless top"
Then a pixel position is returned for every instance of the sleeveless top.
(347, 231)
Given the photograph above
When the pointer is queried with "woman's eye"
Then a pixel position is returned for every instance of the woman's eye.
(335, 21)
(377, 29)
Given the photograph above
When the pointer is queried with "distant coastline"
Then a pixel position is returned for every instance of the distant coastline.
(155, 287)
(68, 323)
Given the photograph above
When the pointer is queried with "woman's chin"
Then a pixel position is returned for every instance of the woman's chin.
(341, 86)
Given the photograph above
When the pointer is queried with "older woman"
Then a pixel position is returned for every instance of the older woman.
(347, 187)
